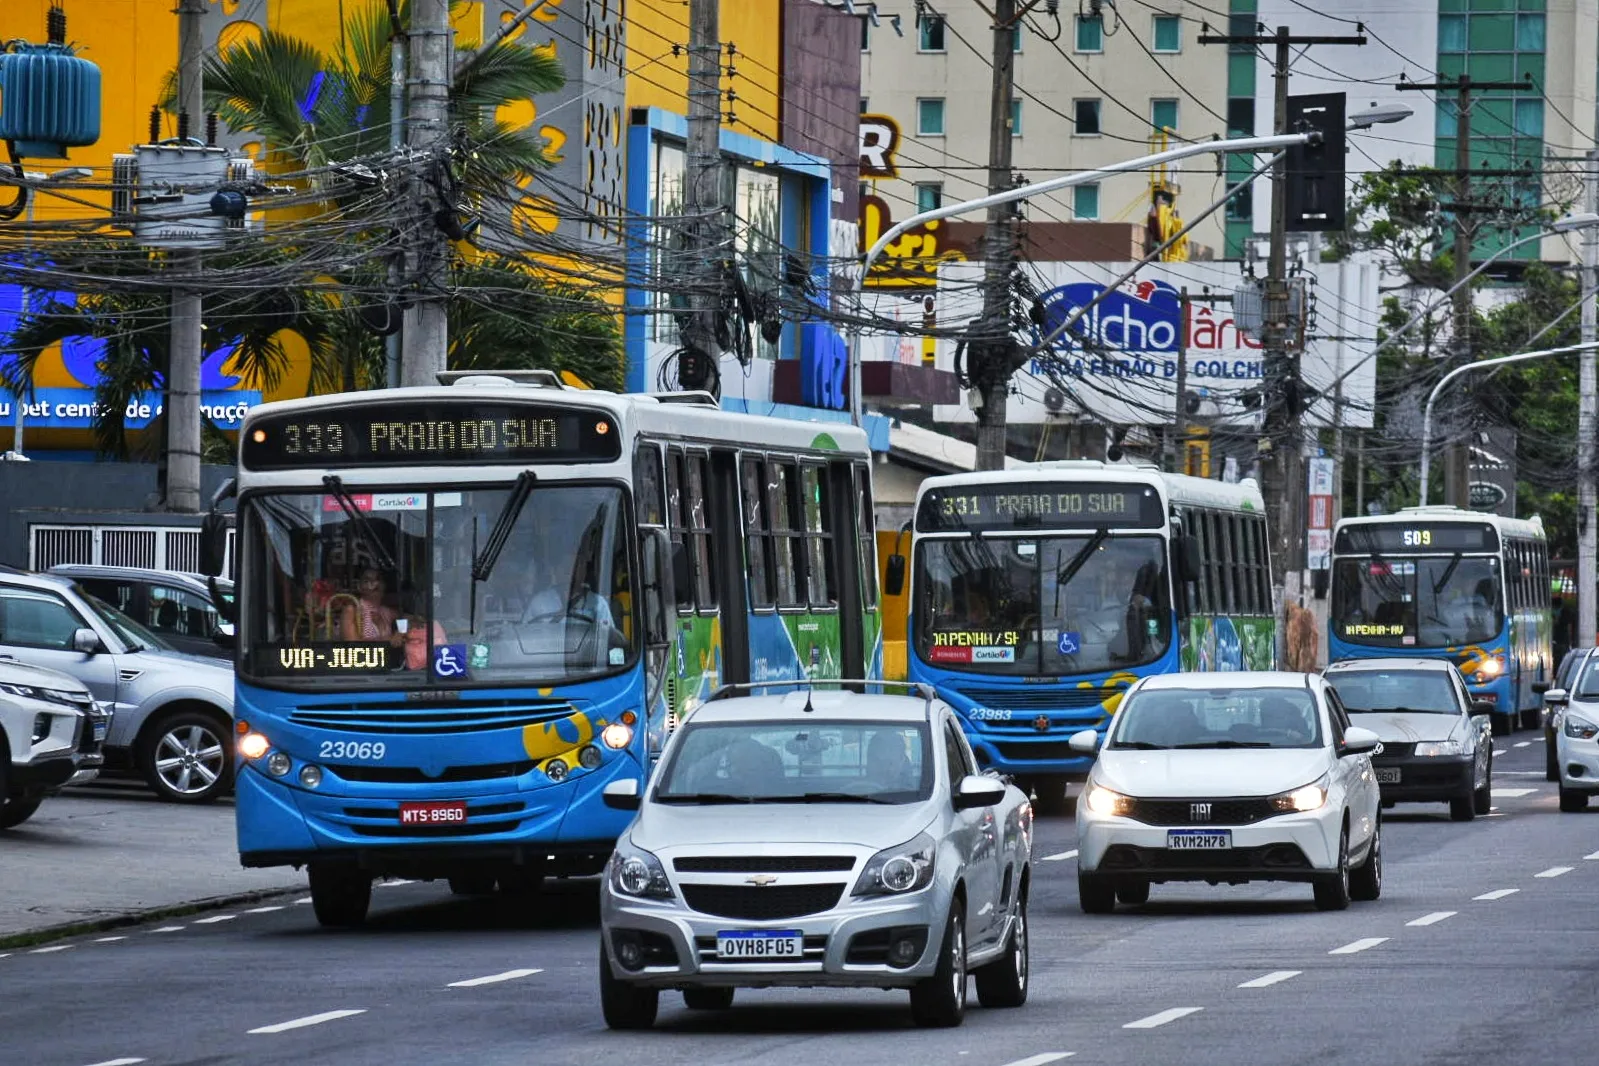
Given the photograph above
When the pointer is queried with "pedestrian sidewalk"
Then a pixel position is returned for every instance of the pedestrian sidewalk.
(108, 852)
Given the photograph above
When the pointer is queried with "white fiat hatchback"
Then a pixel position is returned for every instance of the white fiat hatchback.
(1229, 778)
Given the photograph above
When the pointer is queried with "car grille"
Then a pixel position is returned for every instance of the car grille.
(463, 716)
(1124, 857)
(1036, 699)
(1393, 749)
(410, 775)
(1222, 811)
(762, 904)
(1042, 751)
(754, 864)
(815, 951)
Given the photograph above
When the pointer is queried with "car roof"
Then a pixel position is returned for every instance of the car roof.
(34, 579)
(830, 705)
(1230, 679)
(1392, 662)
(77, 569)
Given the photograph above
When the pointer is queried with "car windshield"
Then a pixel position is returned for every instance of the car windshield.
(1218, 718)
(1587, 686)
(1423, 691)
(131, 633)
(402, 589)
(1427, 602)
(760, 762)
(1043, 606)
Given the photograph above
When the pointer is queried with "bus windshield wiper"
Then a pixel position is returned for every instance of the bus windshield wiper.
(483, 565)
(363, 528)
(1449, 572)
(1065, 574)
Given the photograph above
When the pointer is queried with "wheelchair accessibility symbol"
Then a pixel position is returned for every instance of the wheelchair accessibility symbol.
(449, 660)
(1069, 643)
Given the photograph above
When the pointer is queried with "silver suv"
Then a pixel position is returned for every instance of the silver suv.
(172, 720)
(46, 721)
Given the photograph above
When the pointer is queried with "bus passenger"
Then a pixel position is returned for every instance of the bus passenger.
(369, 619)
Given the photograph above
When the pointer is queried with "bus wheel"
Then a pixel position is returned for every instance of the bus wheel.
(1531, 717)
(1052, 796)
(1504, 724)
(476, 883)
(340, 893)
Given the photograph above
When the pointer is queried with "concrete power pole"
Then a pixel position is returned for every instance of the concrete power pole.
(181, 416)
(424, 346)
(1588, 408)
(702, 194)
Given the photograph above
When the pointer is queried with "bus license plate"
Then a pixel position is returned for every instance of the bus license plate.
(1199, 839)
(450, 812)
(781, 944)
(1387, 775)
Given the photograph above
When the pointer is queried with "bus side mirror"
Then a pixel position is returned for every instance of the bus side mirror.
(226, 608)
(894, 577)
(213, 544)
(658, 588)
(1189, 565)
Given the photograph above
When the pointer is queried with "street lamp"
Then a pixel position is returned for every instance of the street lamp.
(1432, 397)
(1379, 114)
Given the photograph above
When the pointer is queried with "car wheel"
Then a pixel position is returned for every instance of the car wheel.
(1483, 798)
(1332, 891)
(1003, 982)
(1095, 894)
(1133, 893)
(340, 894)
(185, 758)
(1365, 883)
(1463, 808)
(625, 1005)
(472, 884)
(1551, 759)
(939, 1001)
(14, 810)
(1572, 801)
(707, 998)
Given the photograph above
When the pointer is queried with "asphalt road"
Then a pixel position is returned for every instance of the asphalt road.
(1484, 949)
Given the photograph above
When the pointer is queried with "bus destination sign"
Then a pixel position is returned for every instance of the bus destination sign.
(1040, 505)
(429, 432)
(1416, 538)
(322, 660)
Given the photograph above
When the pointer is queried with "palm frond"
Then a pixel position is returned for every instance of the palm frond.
(507, 71)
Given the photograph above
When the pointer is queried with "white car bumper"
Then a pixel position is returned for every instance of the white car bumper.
(1581, 756)
(1288, 847)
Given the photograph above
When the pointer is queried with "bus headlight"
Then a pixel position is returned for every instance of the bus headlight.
(253, 745)
(278, 764)
(310, 776)
(589, 757)
(617, 736)
(1490, 669)
(555, 770)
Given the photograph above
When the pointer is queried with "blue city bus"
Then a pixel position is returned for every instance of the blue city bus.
(1040, 593)
(1442, 582)
(463, 610)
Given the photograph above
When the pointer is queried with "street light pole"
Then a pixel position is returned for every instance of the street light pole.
(1481, 364)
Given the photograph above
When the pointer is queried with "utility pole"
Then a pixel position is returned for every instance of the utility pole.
(1457, 457)
(702, 196)
(1588, 406)
(1283, 467)
(1179, 416)
(181, 414)
(391, 342)
(424, 345)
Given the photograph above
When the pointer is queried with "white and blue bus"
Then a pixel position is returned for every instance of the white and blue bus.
(1040, 593)
(1446, 583)
(463, 610)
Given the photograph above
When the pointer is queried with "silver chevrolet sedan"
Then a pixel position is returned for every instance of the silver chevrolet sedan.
(817, 839)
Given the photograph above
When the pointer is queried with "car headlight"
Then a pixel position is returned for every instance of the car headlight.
(1441, 747)
(1578, 727)
(1309, 797)
(635, 872)
(898, 870)
(48, 695)
(1102, 800)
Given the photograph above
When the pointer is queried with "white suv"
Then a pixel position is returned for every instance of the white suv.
(1229, 778)
(44, 717)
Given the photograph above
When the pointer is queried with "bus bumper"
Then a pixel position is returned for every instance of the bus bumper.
(1047, 757)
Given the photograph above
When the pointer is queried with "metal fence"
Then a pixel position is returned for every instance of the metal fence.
(150, 547)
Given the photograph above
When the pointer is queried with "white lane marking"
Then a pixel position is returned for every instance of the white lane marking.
(1592, 857)
(215, 919)
(493, 978)
(1499, 751)
(108, 939)
(1163, 1017)
(1273, 978)
(1494, 814)
(119, 1062)
(310, 1019)
(1518, 773)
(1072, 854)
(1512, 793)
(5, 955)
(1359, 945)
(168, 929)
(1554, 871)
(395, 884)
(1498, 893)
(1042, 1057)
(1434, 918)
(46, 951)
(303, 902)
(262, 910)
(1522, 744)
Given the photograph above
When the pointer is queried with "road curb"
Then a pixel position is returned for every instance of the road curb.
(120, 921)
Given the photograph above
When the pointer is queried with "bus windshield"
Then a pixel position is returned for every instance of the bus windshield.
(1045, 606)
(413, 588)
(1423, 602)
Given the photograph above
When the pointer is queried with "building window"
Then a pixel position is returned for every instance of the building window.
(1446, 119)
(929, 197)
(1242, 24)
(1085, 117)
(1451, 33)
(864, 107)
(930, 117)
(1015, 118)
(1168, 33)
(1016, 39)
(1163, 114)
(1090, 34)
(1529, 118)
(866, 34)
(1241, 116)
(1085, 202)
(931, 33)
(1529, 33)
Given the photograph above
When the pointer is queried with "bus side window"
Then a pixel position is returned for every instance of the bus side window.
(650, 500)
(866, 520)
(1197, 525)
(1264, 574)
(821, 581)
(787, 543)
(758, 537)
(677, 518)
(699, 530)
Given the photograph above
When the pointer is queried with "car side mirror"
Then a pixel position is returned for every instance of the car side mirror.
(87, 641)
(622, 795)
(659, 594)
(1483, 707)
(226, 608)
(225, 637)
(1557, 697)
(978, 790)
(1085, 742)
(1358, 741)
(894, 577)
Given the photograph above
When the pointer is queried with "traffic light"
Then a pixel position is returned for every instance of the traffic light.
(1315, 172)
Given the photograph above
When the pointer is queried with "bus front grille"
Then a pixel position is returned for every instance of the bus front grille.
(464, 716)
(1036, 699)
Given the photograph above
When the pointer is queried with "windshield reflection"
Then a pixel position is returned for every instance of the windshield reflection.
(752, 762)
(386, 595)
(1218, 718)
(1044, 606)
(1423, 691)
(1427, 602)
(135, 636)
